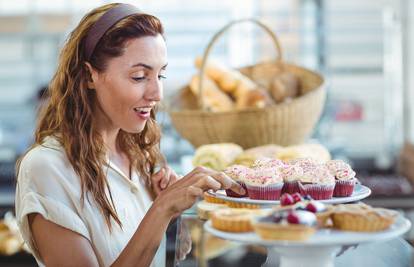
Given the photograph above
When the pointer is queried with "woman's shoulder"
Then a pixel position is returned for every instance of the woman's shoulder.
(49, 152)
(46, 162)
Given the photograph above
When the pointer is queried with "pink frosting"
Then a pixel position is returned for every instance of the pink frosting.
(268, 163)
(292, 173)
(305, 163)
(264, 176)
(319, 175)
(237, 172)
(340, 169)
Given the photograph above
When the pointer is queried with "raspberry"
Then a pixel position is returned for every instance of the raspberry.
(286, 200)
(292, 218)
(297, 197)
(311, 207)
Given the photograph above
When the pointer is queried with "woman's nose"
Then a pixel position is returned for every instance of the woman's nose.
(155, 91)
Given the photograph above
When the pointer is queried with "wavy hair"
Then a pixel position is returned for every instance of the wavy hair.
(69, 117)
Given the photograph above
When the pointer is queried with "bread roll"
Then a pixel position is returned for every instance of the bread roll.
(285, 85)
(258, 98)
(249, 156)
(216, 156)
(314, 151)
(245, 91)
(10, 245)
(214, 98)
(226, 78)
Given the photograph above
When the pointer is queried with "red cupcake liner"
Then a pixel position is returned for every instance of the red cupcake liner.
(231, 193)
(291, 187)
(317, 191)
(344, 188)
(268, 192)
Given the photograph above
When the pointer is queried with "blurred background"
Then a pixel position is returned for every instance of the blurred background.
(364, 49)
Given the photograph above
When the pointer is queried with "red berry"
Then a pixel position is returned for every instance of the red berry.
(311, 207)
(297, 197)
(292, 218)
(286, 200)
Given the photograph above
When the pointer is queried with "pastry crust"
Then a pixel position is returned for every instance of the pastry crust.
(274, 231)
(234, 220)
(212, 199)
(362, 218)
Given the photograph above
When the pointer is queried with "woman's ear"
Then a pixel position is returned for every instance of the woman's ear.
(92, 77)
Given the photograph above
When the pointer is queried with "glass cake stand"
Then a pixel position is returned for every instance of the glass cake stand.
(318, 251)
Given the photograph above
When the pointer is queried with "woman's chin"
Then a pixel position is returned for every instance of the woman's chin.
(137, 129)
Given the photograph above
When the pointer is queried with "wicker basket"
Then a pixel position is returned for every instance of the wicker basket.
(284, 124)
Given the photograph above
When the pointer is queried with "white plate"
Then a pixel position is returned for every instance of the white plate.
(360, 192)
(323, 237)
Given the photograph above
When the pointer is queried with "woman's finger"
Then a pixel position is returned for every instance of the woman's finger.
(208, 182)
(165, 180)
(228, 183)
(156, 177)
(194, 191)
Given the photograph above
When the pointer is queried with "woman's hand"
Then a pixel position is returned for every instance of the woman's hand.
(162, 179)
(183, 193)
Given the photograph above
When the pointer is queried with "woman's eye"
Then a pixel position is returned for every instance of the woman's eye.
(138, 78)
(161, 77)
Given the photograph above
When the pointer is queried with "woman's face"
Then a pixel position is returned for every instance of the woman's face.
(131, 85)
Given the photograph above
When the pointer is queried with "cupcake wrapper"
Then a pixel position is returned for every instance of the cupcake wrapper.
(268, 192)
(344, 188)
(231, 193)
(291, 187)
(317, 191)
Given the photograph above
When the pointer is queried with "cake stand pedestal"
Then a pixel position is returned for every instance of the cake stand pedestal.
(318, 251)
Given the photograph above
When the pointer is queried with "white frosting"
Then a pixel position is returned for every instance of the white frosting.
(264, 176)
(268, 163)
(318, 175)
(292, 173)
(340, 170)
(237, 172)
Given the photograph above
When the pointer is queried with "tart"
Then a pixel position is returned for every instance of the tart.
(234, 220)
(295, 225)
(362, 218)
(212, 199)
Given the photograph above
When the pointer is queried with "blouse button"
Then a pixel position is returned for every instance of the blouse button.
(134, 190)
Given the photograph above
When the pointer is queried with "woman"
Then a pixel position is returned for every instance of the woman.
(88, 193)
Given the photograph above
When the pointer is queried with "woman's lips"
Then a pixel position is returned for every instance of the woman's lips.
(143, 115)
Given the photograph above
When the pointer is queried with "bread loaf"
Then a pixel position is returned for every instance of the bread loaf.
(216, 156)
(214, 98)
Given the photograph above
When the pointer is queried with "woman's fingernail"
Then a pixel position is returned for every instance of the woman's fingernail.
(163, 184)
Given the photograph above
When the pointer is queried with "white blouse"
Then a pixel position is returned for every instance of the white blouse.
(47, 184)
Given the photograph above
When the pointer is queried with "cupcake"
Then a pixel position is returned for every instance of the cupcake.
(291, 175)
(237, 173)
(344, 178)
(362, 218)
(294, 225)
(318, 182)
(264, 184)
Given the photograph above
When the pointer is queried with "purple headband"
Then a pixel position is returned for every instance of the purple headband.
(103, 24)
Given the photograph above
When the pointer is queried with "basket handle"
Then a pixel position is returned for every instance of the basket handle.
(213, 41)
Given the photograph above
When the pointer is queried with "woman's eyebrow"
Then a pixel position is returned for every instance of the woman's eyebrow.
(147, 66)
(143, 65)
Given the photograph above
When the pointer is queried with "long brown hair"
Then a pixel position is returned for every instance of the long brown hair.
(69, 117)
